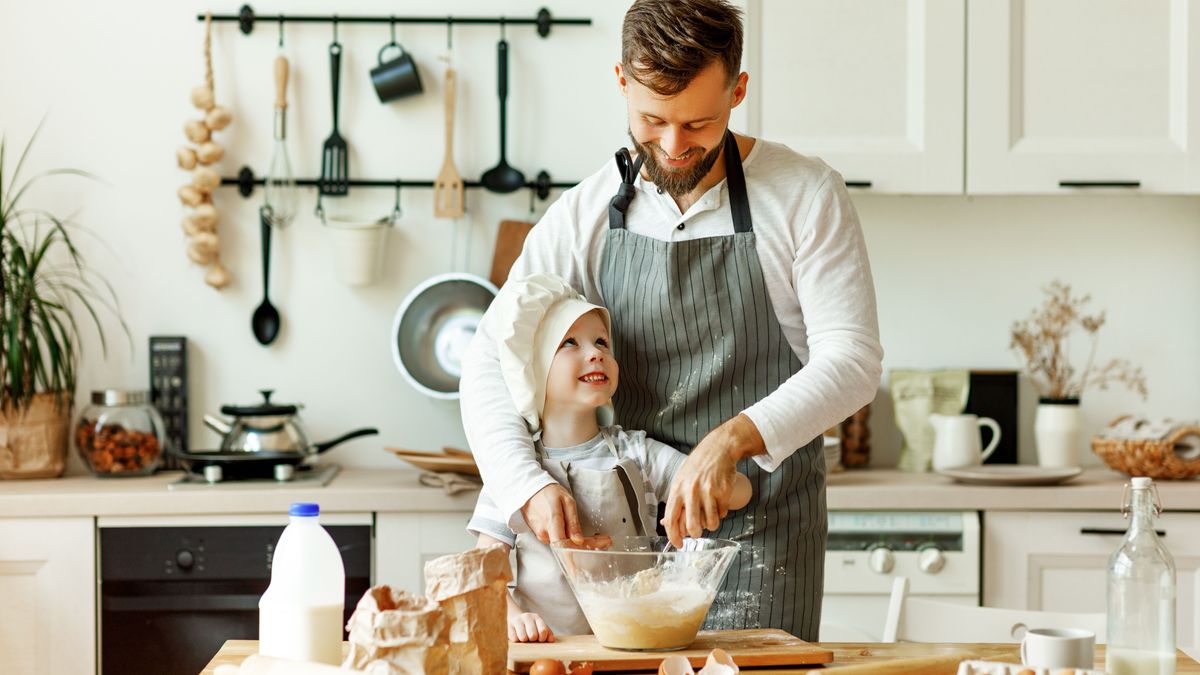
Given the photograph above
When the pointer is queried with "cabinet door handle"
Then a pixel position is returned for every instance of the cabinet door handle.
(1119, 533)
(863, 184)
(1132, 184)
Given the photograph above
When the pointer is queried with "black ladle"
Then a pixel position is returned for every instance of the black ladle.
(265, 322)
(502, 177)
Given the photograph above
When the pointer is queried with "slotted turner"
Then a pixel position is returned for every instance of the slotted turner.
(448, 186)
(335, 157)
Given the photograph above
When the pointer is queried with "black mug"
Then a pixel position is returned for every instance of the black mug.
(396, 78)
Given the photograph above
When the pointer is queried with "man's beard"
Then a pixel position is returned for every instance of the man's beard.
(676, 183)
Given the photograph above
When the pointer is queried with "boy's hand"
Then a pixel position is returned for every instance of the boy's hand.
(552, 516)
(528, 627)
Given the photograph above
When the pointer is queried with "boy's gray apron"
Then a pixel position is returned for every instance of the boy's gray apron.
(698, 342)
(609, 502)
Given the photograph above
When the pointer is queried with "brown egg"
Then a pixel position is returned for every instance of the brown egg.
(547, 667)
(582, 668)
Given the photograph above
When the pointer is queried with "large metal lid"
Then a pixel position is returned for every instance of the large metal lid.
(264, 409)
(120, 397)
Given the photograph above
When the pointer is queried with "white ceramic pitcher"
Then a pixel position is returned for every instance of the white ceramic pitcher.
(958, 440)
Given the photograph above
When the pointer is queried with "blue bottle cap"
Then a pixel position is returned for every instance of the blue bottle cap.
(304, 509)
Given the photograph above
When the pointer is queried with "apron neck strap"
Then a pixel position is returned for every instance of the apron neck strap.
(735, 180)
(629, 169)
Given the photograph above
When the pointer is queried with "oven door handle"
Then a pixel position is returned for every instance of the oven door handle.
(186, 603)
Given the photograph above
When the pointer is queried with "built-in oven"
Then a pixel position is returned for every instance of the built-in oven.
(938, 551)
(173, 590)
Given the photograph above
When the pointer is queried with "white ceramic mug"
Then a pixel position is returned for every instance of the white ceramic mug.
(1058, 648)
(957, 441)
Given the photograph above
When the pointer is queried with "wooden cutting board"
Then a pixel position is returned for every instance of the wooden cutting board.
(756, 647)
(510, 239)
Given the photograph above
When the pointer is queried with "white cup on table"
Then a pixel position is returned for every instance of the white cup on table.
(1058, 648)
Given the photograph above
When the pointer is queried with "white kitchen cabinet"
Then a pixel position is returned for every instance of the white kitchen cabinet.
(47, 596)
(1057, 561)
(404, 541)
(873, 87)
(1087, 92)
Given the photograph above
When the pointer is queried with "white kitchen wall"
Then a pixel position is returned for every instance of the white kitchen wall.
(112, 81)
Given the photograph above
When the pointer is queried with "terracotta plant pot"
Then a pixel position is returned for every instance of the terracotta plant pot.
(33, 440)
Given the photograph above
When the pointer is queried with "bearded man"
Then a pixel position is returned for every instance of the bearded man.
(743, 315)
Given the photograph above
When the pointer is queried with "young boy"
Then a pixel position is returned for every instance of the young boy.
(557, 360)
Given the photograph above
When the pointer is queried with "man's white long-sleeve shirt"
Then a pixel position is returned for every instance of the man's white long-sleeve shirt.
(817, 274)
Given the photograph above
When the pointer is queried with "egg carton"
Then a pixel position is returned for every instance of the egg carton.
(993, 668)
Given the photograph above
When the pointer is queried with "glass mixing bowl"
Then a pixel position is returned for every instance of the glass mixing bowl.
(636, 596)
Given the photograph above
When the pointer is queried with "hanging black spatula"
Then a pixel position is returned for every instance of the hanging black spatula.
(335, 157)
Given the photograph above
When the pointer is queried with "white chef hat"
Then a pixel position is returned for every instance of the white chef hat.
(533, 314)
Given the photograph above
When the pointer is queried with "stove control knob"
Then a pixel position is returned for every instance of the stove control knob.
(931, 560)
(880, 559)
(184, 559)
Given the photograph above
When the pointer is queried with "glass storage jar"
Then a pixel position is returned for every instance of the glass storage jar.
(120, 434)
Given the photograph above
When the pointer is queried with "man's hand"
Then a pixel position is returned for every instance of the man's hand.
(700, 493)
(551, 515)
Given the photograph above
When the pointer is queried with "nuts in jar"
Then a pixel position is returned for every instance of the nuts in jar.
(111, 448)
(119, 434)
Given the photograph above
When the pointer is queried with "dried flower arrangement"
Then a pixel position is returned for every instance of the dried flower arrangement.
(1042, 341)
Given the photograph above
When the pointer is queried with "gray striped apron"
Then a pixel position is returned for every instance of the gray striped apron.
(698, 342)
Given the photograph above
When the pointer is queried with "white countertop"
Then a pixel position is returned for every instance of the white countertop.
(397, 491)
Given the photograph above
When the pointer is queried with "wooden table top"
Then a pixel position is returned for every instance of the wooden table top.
(844, 654)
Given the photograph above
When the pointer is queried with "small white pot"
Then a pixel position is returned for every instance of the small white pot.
(1057, 430)
(358, 249)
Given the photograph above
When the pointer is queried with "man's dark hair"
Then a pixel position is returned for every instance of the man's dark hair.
(666, 43)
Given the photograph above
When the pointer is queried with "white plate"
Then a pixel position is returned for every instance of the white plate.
(1011, 474)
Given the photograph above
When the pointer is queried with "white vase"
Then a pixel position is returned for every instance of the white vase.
(1057, 431)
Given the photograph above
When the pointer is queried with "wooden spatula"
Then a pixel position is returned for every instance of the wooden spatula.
(448, 186)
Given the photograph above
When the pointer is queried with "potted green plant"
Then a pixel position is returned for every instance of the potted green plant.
(44, 286)
(1043, 341)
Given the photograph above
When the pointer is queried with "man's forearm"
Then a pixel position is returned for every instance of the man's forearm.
(741, 437)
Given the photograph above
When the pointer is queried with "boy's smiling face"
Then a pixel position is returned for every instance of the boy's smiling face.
(583, 373)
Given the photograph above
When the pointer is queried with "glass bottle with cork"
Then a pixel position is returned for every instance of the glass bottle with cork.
(1141, 591)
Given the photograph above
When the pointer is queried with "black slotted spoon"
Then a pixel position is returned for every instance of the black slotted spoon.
(335, 157)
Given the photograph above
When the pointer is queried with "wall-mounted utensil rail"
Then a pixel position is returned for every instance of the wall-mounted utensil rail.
(246, 18)
(246, 182)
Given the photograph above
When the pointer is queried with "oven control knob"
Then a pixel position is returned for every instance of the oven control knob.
(881, 560)
(184, 559)
(931, 560)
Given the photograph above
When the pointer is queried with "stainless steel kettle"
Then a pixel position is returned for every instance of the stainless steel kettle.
(270, 427)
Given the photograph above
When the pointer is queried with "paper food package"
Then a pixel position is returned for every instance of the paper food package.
(471, 588)
(394, 632)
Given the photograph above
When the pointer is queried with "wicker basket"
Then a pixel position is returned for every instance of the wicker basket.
(1153, 458)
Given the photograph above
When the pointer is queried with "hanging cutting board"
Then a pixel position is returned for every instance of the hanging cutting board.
(756, 647)
(510, 238)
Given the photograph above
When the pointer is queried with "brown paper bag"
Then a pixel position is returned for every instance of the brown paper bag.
(471, 588)
(394, 632)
